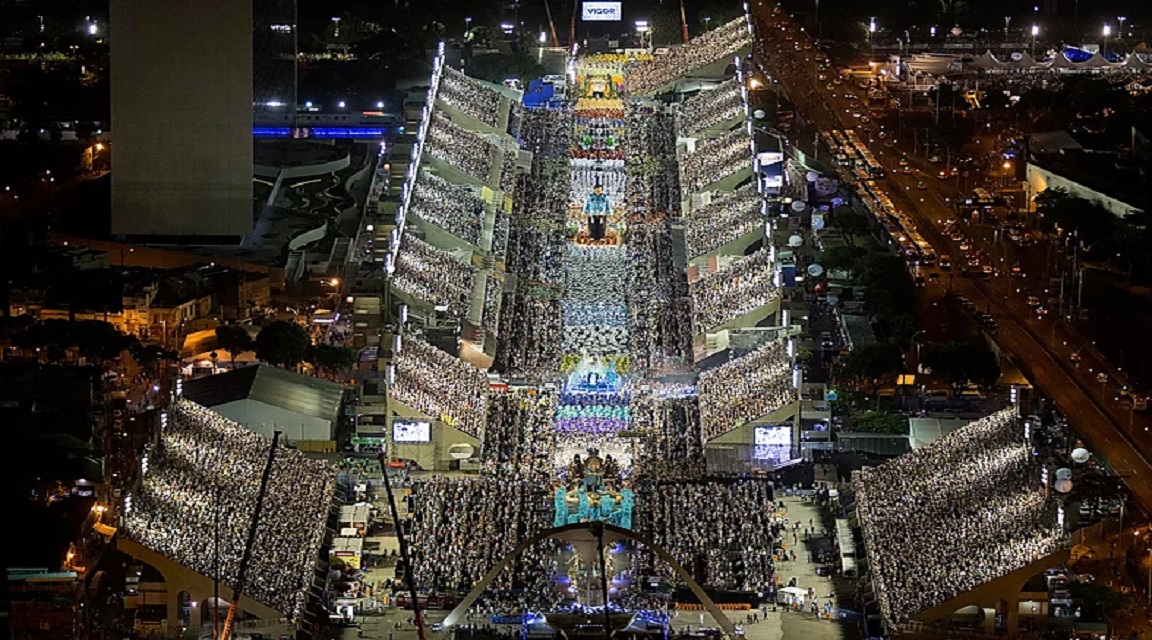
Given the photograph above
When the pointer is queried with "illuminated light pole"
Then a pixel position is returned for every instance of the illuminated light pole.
(1107, 32)
(1035, 32)
(1007, 21)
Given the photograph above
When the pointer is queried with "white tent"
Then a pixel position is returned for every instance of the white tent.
(1134, 61)
(987, 61)
(1061, 61)
(1097, 61)
(1025, 61)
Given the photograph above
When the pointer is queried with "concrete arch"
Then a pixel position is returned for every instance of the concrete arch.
(572, 533)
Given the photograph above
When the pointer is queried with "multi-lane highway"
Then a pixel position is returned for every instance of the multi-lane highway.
(1040, 345)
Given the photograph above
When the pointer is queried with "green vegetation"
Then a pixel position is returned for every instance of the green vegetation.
(960, 362)
(868, 363)
(234, 339)
(283, 344)
(885, 422)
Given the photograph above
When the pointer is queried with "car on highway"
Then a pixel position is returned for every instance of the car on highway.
(945, 262)
(988, 270)
(965, 303)
(921, 186)
(935, 159)
(1041, 311)
(908, 170)
(882, 135)
(964, 244)
(903, 162)
(943, 174)
(1016, 270)
(956, 236)
(1033, 301)
(826, 341)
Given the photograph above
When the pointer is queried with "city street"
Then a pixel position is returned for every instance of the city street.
(1039, 346)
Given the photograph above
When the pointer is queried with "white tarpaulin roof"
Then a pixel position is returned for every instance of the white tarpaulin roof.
(987, 61)
(1097, 61)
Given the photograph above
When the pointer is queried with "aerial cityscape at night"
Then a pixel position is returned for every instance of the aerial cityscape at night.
(576, 319)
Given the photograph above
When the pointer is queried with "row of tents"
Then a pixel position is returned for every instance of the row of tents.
(1025, 62)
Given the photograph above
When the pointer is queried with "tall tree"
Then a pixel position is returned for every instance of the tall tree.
(283, 344)
(234, 339)
(868, 363)
(331, 358)
(961, 362)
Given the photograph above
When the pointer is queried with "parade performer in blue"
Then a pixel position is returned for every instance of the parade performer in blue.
(561, 504)
(597, 206)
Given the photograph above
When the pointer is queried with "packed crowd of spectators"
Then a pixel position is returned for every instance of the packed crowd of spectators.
(452, 207)
(470, 96)
(434, 275)
(531, 332)
(465, 525)
(518, 439)
(659, 337)
(744, 286)
(469, 152)
(721, 532)
(653, 181)
(714, 159)
(441, 385)
(710, 108)
(727, 217)
(493, 298)
(531, 327)
(745, 389)
(206, 467)
(670, 415)
(722, 42)
(946, 518)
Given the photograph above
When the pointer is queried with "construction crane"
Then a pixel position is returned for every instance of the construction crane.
(246, 558)
(409, 575)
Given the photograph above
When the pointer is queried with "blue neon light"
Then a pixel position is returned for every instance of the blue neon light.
(272, 132)
(320, 132)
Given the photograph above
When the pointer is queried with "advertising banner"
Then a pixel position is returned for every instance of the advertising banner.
(602, 12)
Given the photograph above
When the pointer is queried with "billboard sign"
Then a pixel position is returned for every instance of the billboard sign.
(602, 12)
(773, 444)
(411, 431)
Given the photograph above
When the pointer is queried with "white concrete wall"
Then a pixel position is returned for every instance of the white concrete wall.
(1040, 179)
(264, 419)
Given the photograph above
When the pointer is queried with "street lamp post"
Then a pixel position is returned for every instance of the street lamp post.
(1035, 32)
(1007, 21)
(1107, 32)
(1120, 31)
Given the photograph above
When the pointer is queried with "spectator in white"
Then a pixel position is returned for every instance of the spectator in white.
(722, 42)
(206, 466)
(710, 108)
(962, 511)
(714, 159)
(726, 217)
(471, 96)
(434, 275)
(744, 389)
(723, 296)
(441, 385)
(454, 208)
